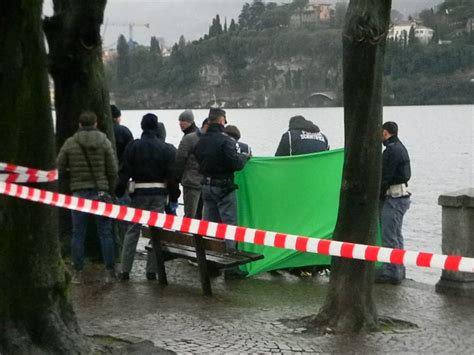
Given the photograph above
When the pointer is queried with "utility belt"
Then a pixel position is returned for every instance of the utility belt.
(132, 185)
(219, 182)
(397, 191)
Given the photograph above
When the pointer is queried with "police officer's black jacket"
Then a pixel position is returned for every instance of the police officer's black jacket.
(303, 137)
(146, 160)
(396, 164)
(217, 154)
(123, 136)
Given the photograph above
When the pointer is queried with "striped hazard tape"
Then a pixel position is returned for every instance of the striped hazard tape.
(20, 174)
(241, 234)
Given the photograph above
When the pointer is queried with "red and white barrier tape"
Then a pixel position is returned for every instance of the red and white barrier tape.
(241, 234)
(20, 174)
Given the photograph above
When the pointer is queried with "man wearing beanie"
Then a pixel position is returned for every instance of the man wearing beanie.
(187, 171)
(123, 136)
(218, 157)
(186, 122)
(147, 162)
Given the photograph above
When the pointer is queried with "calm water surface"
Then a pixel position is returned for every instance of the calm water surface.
(440, 140)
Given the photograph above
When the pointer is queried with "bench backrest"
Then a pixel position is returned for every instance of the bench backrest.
(173, 237)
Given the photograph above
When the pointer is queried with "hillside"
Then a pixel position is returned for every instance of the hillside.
(274, 57)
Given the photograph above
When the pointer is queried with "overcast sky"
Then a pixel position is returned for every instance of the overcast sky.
(171, 18)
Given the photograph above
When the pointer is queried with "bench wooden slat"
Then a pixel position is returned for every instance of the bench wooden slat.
(223, 260)
(167, 236)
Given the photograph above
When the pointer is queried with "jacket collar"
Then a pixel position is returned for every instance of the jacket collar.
(391, 140)
(215, 127)
(88, 129)
(149, 133)
(190, 129)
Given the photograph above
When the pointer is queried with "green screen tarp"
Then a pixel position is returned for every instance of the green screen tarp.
(296, 195)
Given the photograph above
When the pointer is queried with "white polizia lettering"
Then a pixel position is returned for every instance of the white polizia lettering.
(315, 136)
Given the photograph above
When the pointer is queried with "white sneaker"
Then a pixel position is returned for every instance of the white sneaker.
(110, 276)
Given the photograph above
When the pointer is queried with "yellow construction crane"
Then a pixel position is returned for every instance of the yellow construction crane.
(130, 25)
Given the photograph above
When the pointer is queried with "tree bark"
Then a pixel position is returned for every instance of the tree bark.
(75, 63)
(349, 306)
(36, 315)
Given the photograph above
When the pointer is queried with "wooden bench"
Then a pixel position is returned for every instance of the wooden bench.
(209, 253)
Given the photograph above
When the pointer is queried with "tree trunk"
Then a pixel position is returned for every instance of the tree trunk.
(75, 62)
(35, 312)
(349, 305)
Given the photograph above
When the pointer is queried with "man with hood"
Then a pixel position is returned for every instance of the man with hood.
(89, 158)
(147, 162)
(302, 137)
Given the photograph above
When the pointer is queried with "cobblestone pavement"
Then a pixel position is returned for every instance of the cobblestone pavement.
(243, 315)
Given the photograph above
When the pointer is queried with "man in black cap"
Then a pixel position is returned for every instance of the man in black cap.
(218, 157)
(123, 136)
(148, 163)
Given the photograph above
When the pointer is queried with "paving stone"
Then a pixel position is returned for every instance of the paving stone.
(244, 316)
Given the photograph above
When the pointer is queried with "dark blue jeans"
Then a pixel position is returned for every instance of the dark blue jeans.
(393, 210)
(220, 206)
(79, 229)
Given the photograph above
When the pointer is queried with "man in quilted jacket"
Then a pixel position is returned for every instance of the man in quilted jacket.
(89, 159)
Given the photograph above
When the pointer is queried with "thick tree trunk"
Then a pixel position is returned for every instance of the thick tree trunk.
(35, 313)
(349, 306)
(75, 61)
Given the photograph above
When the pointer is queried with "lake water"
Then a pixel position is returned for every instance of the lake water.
(440, 141)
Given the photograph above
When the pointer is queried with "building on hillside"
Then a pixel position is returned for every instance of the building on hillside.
(313, 13)
(401, 32)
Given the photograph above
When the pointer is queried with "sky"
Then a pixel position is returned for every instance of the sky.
(171, 18)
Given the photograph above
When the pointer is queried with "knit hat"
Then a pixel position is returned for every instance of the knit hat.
(115, 111)
(186, 116)
(149, 122)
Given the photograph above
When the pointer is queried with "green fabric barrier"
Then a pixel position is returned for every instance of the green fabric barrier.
(296, 195)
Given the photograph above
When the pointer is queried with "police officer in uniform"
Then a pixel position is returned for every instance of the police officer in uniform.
(395, 199)
(302, 137)
(218, 157)
(148, 162)
(234, 132)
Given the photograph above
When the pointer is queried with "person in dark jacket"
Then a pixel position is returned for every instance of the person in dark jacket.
(89, 158)
(123, 136)
(218, 157)
(302, 137)
(234, 132)
(147, 162)
(187, 172)
(395, 199)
